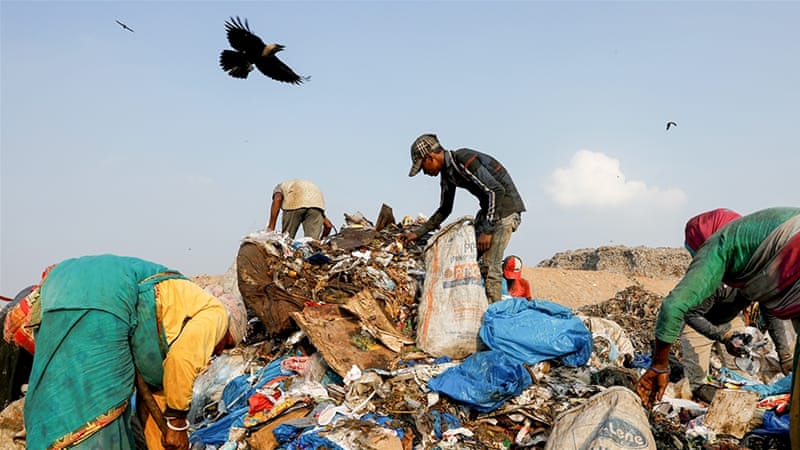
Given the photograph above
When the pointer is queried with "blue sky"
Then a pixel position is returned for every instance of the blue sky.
(138, 144)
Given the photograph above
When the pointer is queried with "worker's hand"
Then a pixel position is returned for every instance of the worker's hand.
(176, 440)
(787, 364)
(735, 343)
(409, 237)
(484, 242)
(327, 226)
(651, 386)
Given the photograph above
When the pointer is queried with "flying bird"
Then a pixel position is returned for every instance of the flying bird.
(250, 50)
(124, 27)
(671, 124)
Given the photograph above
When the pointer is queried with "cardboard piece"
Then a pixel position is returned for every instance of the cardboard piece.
(353, 238)
(264, 439)
(385, 217)
(330, 328)
(363, 436)
(376, 323)
(731, 412)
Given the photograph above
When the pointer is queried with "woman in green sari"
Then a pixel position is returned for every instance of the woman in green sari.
(103, 318)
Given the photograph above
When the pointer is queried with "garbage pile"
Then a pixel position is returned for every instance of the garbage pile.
(680, 423)
(345, 371)
(336, 359)
(353, 294)
(634, 309)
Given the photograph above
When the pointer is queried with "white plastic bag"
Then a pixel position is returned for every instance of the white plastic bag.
(209, 384)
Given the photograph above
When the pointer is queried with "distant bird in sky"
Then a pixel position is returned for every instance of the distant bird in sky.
(671, 124)
(124, 27)
(250, 49)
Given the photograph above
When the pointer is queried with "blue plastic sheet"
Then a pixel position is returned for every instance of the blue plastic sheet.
(536, 330)
(774, 424)
(641, 360)
(450, 422)
(484, 380)
(782, 386)
(312, 440)
(385, 422)
(286, 432)
(234, 397)
(217, 432)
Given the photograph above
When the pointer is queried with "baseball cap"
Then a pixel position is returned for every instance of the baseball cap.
(512, 268)
(423, 145)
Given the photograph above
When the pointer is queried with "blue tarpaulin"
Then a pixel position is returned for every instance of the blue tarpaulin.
(782, 386)
(484, 380)
(536, 330)
(234, 397)
(774, 423)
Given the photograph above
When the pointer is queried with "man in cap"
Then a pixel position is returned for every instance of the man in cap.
(512, 272)
(485, 178)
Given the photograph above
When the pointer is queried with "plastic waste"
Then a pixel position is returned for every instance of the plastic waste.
(484, 380)
(536, 330)
(209, 385)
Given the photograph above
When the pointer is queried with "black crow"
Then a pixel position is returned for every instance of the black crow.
(671, 124)
(250, 49)
(124, 27)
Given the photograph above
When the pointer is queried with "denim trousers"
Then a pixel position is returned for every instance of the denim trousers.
(491, 261)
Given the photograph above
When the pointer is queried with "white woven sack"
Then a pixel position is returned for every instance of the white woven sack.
(613, 419)
(453, 297)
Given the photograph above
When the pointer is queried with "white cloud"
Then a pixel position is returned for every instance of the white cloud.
(594, 179)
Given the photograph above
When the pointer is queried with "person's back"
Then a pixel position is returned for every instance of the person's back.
(300, 194)
(126, 317)
(470, 179)
(737, 255)
(303, 204)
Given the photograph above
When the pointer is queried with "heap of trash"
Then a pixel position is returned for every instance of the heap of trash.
(352, 359)
(362, 341)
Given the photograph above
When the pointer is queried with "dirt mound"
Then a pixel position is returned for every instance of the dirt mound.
(577, 278)
(658, 262)
(577, 288)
